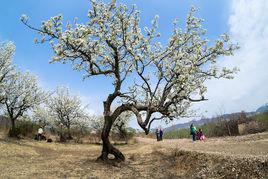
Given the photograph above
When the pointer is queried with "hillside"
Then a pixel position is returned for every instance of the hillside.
(262, 108)
(202, 121)
(232, 157)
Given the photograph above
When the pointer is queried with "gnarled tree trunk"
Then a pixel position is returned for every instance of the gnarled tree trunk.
(107, 147)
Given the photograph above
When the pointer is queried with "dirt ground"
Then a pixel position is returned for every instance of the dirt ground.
(232, 157)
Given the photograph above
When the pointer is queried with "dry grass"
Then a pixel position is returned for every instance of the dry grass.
(245, 156)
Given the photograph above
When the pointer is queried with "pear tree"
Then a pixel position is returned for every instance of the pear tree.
(151, 80)
(21, 94)
(66, 109)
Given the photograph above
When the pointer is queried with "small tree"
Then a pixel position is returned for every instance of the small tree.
(65, 108)
(96, 128)
(21, 93)
(119, 127)
(121, 124)
(83, 123)
(160, 81)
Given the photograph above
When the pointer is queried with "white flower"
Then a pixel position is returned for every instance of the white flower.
(24, 18)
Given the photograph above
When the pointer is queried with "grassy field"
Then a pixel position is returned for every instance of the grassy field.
(231, 157)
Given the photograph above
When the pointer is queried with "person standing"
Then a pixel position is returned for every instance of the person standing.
(193, 131)
(161, 134)
(40, 133)
(157, 134)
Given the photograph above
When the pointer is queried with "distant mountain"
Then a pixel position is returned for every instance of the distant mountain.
(185, 125)
(263, 108)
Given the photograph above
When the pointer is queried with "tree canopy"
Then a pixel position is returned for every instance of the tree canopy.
(152, 80)
(66, 109)
(6, 67)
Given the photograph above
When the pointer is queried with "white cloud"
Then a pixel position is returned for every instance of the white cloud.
(248, 25)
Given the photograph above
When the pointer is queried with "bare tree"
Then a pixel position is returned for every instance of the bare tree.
(160, 81)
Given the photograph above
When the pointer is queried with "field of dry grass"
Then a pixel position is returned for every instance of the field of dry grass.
(232, 157)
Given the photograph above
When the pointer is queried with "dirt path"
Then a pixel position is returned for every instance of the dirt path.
(234, 157)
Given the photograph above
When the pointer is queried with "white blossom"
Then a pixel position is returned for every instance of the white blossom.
(6, 68)
(66, 108)
(24, 18)
(21, 94)
(164, 79)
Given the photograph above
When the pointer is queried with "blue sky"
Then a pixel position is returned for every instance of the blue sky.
(218, 17)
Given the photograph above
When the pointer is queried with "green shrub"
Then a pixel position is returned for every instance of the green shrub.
(28, 128)
(262, 119)
(24, 128)
(177, 134)
(14, 132)
(131, 133)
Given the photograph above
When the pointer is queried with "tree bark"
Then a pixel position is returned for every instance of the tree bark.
(107, 147)
(68, 125)
(12, 124)
(69, 137)
(228, 128)
(12, 130)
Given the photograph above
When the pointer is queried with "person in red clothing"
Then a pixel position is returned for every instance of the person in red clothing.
(198, 134)
(202, 136)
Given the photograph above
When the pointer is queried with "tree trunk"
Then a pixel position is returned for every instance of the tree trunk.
(69, 135)
(12, 124)
(126, 139)
(13, 132)
(228, 128)
(107, 147)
